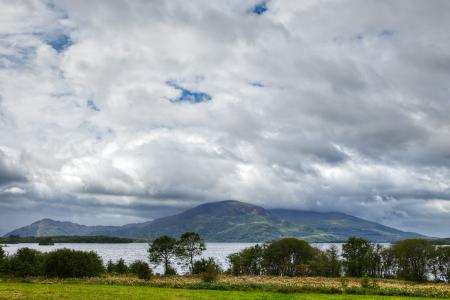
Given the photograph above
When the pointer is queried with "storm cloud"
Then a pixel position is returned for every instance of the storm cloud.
(138, 109)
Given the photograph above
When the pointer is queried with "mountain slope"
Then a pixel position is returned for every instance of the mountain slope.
(323, 227)
(234, 221)
(48, 227)
(218, 221)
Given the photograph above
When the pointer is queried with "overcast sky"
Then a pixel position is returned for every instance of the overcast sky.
(114, 112)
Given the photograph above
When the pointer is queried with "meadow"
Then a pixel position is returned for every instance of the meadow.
(226, 287)
(21, 290)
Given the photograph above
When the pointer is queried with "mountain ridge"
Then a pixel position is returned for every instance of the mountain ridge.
(234, 221)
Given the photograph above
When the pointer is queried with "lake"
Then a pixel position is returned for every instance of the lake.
(134, 251)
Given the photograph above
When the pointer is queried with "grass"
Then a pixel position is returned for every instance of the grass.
(20, 290)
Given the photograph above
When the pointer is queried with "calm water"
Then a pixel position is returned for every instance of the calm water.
(134, 251)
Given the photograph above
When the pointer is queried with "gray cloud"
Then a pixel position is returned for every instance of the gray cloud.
(351, 113)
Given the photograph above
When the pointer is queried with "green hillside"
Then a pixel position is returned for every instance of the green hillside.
(234, 221)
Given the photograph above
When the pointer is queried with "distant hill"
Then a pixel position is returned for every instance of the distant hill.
(234, 221)
(49, 227)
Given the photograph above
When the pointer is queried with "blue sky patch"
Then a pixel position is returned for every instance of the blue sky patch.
(187, 95)
(60, 42)
(259, 8)
(91, 104)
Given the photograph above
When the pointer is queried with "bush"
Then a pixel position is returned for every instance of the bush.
(365, 281)
(208, 269)
(110, 267)
(72, 263)
(121, 267)
(26, 262)
(141, 269)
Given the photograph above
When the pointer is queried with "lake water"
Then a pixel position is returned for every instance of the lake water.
(135, 251)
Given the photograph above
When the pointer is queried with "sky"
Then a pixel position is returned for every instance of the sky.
(113, 112)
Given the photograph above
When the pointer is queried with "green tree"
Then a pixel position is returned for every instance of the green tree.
(72, 263)
(333, 265)
(249, 261)
(412, 258)
(163, 250)
(357, 254)
(388, 264)
(141, 269)
(189, 246)
(110, 266)
(443, 263)
(283, 257)
(120, 267)
(2, 259)
(2, 253)
(26, 262)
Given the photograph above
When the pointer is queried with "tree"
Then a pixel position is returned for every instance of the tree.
(72, 263)
(2, 259)
(388, 264)
(2, 253)
(334, 265)
(163, 250)
(141, 269)
(121, 267)
(357, 254)
(189, 246)
(412, 258)
(26, 262)
(110, 266)
(283, 257)
(249, 261)
(443, 261)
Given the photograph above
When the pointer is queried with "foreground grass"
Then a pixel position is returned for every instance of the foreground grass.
(19, 290)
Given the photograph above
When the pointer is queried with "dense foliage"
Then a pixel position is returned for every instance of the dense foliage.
(413, 260)
(72, 263)
(141, 269)
(59, 263)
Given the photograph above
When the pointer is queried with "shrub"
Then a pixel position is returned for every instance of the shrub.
(364, 281)
(121, 267)
(72, 263)
(141, 269)
(344, 283)
(210, 275)
(26, 262)
(208, 269)
(110, 267)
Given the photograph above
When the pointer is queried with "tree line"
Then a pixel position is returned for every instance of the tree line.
(413, 259)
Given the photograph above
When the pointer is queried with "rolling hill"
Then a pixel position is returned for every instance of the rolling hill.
(234, 221)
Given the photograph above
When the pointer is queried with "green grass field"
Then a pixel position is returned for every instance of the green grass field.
(15, 290)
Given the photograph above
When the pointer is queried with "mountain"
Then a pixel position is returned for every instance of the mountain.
(234, 221)
(48, 227)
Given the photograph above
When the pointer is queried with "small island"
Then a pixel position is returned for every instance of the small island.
(46, 241)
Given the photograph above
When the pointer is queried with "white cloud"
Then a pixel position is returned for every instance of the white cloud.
(349, 113)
